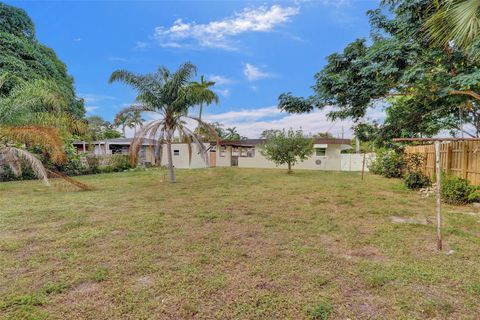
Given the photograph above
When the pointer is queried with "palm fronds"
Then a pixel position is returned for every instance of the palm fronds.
(456, 21)
(13, 156)
(46, 138)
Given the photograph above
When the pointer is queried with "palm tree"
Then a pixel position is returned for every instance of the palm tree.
(31, 116)
(168, 95)
(136, 120)
(122, 120)
(456, 21)
(204, 94)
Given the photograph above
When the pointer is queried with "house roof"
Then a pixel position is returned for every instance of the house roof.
(254, 142)
(121, 141)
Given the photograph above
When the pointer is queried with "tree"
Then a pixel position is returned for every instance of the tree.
(231, 134)
(28, 117)
(399, 69)
(100, 129)
(287, 147)
(205, 134)
(203, 94)
(455, 22)
(168, 95)
(128, 119)
(25, 59)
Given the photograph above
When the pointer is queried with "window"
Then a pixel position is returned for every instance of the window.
(320, 152)
(223, 151)
(176, 152)
(247, 152)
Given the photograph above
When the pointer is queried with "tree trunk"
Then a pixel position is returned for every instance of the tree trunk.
(123, 131)
(200, 113)
(289, 168)
(171, 172)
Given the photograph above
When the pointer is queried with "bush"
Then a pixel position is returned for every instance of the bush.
(388, 163)
(416, 180)
(456, 190)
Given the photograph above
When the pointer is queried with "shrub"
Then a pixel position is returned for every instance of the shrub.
(320, 311)
(456, 190)
(388, 163)
(416, 180)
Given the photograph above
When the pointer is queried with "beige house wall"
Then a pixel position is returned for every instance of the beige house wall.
(331, 160)
(181, 161)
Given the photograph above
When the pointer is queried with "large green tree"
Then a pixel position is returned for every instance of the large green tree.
(423, 86)
(25, 59)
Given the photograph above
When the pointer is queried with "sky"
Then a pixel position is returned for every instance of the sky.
(253, 50)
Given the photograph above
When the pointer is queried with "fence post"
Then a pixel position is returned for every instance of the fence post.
(448, 159)
(465, 160)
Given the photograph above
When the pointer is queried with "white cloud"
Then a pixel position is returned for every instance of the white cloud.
(220, 80)
(93, 97)
(223, 92)
(141, 45)
(218, 33)
(118, 59)
(252, 122)
(89, 109)
(77, 39)
(253, 73)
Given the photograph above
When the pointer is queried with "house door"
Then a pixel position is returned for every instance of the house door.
(234, 161)
(213, 159)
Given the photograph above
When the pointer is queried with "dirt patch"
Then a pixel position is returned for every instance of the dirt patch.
(410, 220)
(143, 282)
(367, 253)
(85, 288)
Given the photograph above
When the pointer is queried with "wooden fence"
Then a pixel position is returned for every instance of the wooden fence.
(458, 158)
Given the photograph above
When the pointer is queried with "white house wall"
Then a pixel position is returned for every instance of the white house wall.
(181, 161)
(331, 160)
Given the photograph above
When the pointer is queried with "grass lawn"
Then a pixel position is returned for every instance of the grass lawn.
(233, 243)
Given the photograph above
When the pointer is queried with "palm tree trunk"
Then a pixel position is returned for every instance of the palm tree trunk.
(123, 131)
(200, 113)
(171, 172)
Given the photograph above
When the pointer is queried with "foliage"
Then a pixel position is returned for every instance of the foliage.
(416, 180)
(25, 59)
(116, 163)
(205, 134)
(100, 129)
(388, 163)
(286, 147)
(321, 311)
(128, 119)
(456, 190)
(169, 95)
(231, 134)
(420, 84)
(455, 22)
(203, 93)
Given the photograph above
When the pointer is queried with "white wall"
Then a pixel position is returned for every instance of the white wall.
(331, 160)
(182, 160)
(354, 161)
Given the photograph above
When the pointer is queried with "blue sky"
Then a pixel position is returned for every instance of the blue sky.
(253, 50)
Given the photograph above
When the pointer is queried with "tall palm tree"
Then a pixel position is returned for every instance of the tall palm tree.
(168, 95)
(136, 120)
(204, 94)
(456, 21)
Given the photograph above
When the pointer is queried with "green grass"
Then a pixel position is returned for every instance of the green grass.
(233, 243)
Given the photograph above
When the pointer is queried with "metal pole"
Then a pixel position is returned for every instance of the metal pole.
(363, 165)
(439, 196)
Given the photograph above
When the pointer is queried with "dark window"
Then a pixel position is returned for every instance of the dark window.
(320, 152)
(176, 152)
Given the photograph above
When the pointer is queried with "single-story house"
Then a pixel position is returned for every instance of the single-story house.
(118, 146)
(244, 154)
(247, 154)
